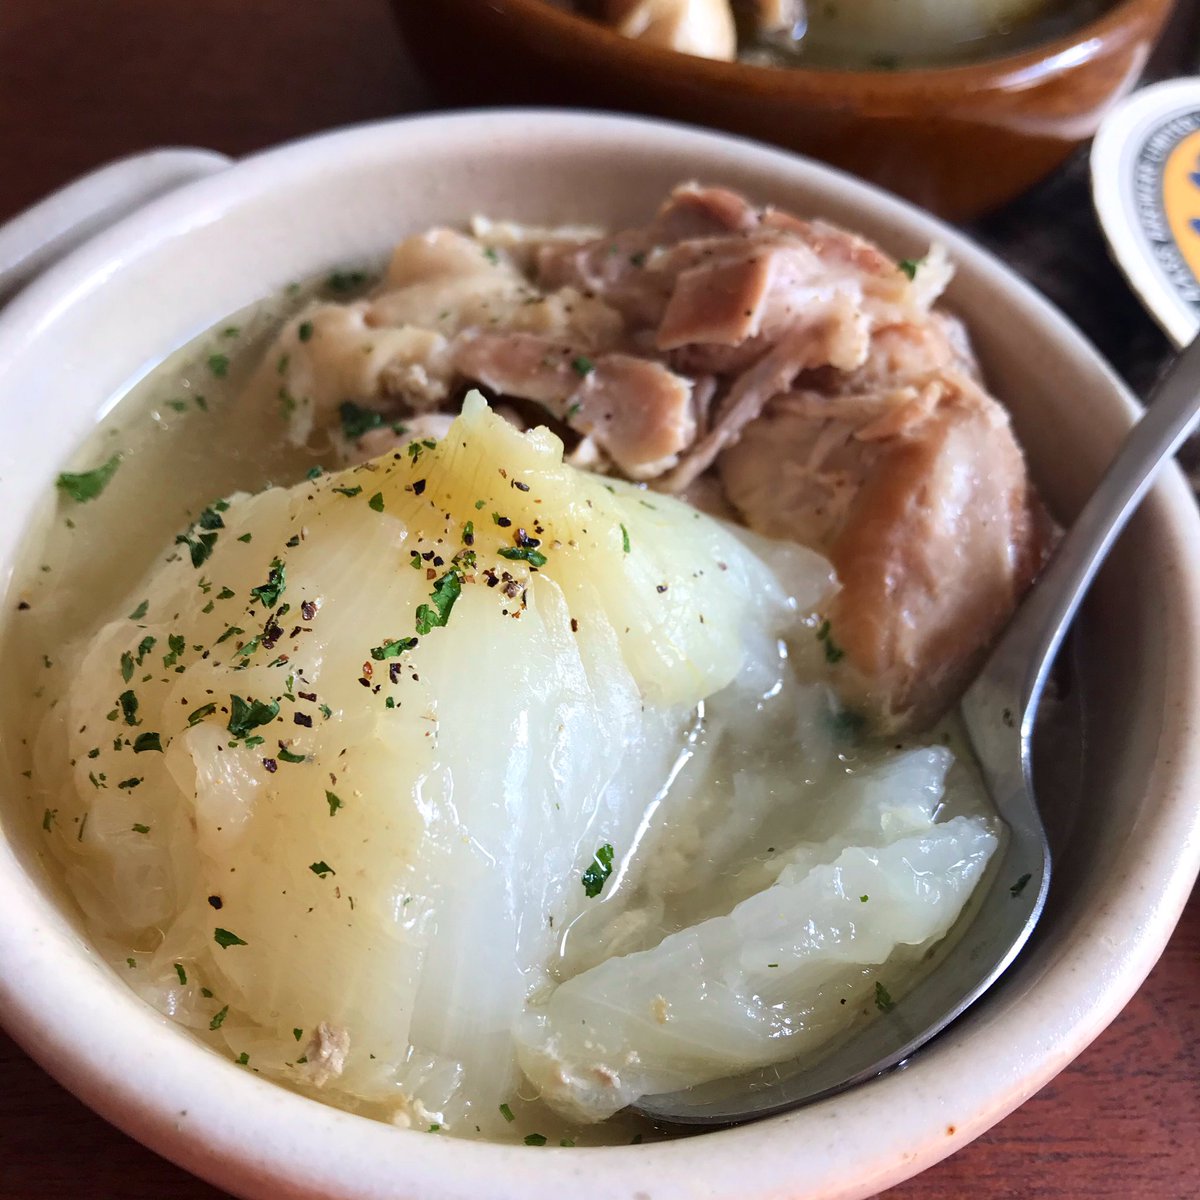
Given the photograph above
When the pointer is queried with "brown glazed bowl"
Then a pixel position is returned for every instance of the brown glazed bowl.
(957, 140)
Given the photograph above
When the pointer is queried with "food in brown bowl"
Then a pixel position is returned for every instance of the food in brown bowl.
(958, 136)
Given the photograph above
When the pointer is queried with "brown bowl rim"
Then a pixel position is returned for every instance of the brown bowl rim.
(1057, 56)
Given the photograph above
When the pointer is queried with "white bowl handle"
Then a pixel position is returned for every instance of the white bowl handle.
(39, 236)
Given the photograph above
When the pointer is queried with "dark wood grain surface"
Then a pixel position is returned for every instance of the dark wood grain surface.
(83, 81)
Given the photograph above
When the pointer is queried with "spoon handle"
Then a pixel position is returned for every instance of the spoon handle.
(1021, 660)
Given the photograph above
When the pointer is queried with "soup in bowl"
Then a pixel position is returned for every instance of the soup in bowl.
(325, 211)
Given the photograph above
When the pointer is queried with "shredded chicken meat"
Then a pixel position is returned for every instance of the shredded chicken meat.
(780, 370)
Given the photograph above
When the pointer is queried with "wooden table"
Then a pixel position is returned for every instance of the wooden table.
(83, 81)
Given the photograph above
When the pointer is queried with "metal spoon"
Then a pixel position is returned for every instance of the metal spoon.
(999, 711)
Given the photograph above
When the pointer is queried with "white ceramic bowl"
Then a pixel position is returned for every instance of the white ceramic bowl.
(90, 326)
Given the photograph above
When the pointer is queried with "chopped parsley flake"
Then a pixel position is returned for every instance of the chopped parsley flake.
(334, 802)
(593, 879)
(87, 485)
(144, 647)
(321, 869)
(147, 741)
(908, 266)
(218, 364)
(392, 649)
(245, 715)
(348, 491)
(243, 1059)
(219, 1019)
(268, 593)
(285, 755)
(479, 504)
(535, 1139)
(582, 365)
(127, 666)
(535, 558)
(48, 818)
(833, 652)
(507, 1113)
(624, 539)
(141, 610)
(181, 973)
(445, 592)
(883, 999)
(129, 784)
(178, 644)
(199, 547)
(297, 1034)
(1018, 887)
(357, 420)
(232, 631)
(129, 706)
(305, 331)
(245, 537)
(376, 502)
(863, 899)
(225, 939)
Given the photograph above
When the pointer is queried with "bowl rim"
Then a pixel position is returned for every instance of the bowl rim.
(1056, 56)
(220, 1132)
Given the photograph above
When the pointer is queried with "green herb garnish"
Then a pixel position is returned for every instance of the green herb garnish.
(507, 1113)
(348, 491)
(219, 1019)
(334, 802)
(445, 592)
(321, 869)
(225, 939)
(535, 558)
(218, 364)
(883, 999)
(268, 593)
(392, 649)
(87, 485)
(582, 365)
(535, 1139)
(624, 539)
(245, 715)
(177, 644)
(833, 652)
(357, 420)
(141, 610)
(147, 741)
(594, 877)
(1018, 887)
(305, 331)
(376, 502)
(199, 547)
(285, 755)
(129, 706)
